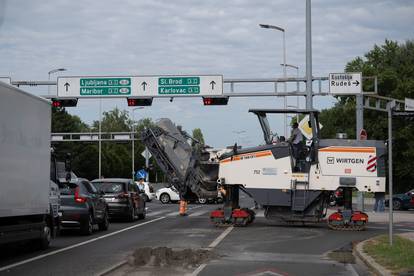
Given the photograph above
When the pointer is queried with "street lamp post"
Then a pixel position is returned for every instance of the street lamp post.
(265, 26)
(133, 141)
(297, 85)
(51, 72)
(100, 139)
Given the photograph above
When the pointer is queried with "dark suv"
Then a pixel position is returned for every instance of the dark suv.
(82, 206)
(123, 197)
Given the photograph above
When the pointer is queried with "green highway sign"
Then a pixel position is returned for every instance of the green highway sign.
(174, 90)
(140, 86)
(179, 81)
(105, 86)
(103, 91)
(105, 82)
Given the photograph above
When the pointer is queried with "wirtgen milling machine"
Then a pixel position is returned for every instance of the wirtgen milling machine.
(291, 190)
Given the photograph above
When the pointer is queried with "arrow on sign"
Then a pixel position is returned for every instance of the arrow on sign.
(66, 86)
(144, 84)
(212, 84)
(356, 82)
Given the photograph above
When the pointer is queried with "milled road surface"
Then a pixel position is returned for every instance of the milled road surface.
(262, 248)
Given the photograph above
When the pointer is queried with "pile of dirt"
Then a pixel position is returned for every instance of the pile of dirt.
(164, 256)
(343, 255)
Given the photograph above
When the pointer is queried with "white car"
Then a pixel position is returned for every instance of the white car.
(148, 190)
(167, 195)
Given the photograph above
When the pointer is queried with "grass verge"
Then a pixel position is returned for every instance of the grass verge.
(398, 258)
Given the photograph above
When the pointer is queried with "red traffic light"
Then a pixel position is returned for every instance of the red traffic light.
(215, 100)
(64, 102)
(139, 101)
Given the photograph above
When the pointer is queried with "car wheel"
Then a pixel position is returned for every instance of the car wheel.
(202, 200)
(132, 214)
(143, 214)
(87, 226)
(44, 241)
(396, 204)
(165, 198)
(219, 200)
(104, 225)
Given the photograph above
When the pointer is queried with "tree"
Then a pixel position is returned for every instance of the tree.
(62, 121)
(114, 121)
(84, 161)
(393, 64)
(198, 135)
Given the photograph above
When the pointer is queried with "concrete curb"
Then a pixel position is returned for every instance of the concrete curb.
(112, 268)
(369, 261)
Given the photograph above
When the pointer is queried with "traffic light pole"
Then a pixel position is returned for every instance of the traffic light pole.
(359, 99)
(390, 108)
(309, 102)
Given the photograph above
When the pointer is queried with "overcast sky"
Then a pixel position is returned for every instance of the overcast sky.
(192, 37)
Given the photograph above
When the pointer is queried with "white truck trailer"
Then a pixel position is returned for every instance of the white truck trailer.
(25, 168)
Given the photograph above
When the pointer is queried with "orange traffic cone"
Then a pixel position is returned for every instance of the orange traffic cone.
(183, 208)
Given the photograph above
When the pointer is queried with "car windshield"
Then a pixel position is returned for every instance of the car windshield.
(67, 188)
(110, 187)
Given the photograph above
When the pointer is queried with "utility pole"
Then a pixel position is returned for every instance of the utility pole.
(390, 108)
(309, 104)
(100, 138)
(359, 126)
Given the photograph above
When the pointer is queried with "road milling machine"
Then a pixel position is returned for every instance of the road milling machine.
(291, 190)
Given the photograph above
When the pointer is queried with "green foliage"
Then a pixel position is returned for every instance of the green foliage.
(116, 157)
(399, 257)
(114, 121)
(198, 135)
(393, 64)
(62, 121)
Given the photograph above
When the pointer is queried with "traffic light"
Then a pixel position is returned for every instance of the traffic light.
(215, 100)
(64, 102)
(139, 101)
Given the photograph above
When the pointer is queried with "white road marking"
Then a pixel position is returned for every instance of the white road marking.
(157, 213)
(198, 270)
(351, 270)
(211, 246)
(220, 238)
(198, 213)
(77, 245)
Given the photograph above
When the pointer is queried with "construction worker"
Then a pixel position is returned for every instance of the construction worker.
(295, 139)
(183, 207)
(141, 184)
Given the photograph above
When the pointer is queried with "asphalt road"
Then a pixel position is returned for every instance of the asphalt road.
(262, 248)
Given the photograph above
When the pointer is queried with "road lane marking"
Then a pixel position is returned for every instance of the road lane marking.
(351, 270)
(198, 270)
(220, 238)
(198, 213)
(157, 213)
(78, 244)
(211, 246)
